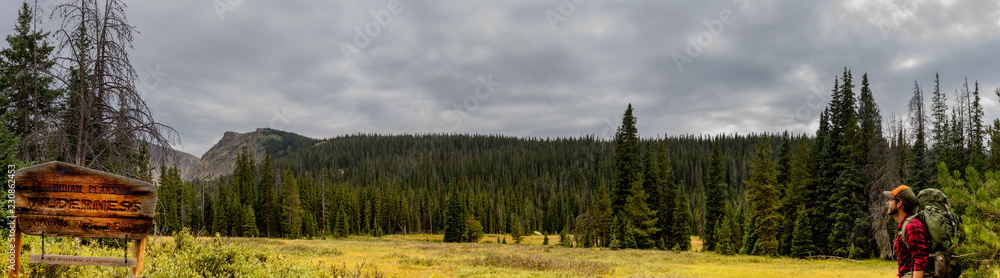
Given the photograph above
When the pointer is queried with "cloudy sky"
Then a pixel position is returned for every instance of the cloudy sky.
(544, 68)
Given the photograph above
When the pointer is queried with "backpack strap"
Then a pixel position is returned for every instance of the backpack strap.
(902, 232)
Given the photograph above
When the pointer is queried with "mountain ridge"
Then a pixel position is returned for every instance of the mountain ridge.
(218, 160)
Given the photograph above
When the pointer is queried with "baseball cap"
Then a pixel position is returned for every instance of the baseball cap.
(902, 193)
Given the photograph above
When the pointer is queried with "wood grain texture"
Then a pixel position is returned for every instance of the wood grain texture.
(60, 199)
(81, 260)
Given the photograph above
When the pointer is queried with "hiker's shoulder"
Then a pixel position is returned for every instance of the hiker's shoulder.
(916, 224)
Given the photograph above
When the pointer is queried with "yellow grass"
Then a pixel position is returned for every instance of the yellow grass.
(426, 256)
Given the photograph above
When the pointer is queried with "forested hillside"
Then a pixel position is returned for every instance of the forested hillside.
(544, 180)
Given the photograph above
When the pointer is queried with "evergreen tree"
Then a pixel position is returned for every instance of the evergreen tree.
(800, 189)
(763, 198)
(870, 121)
(244, 174)
(614, 234)
(749, 245)
(309, 226)
(681, 227)
(8, 147)
(802, 245)
(291, 206)
(27, 96)
(715, 196)
(785, 192)
(784, 165)
(455, 225)
(976, 137)
(8, 156)
(629, 238)
(652, 182)
(340, 230)
(637, 211)
(725, 244)
(368, 218)
(917, 174)
(628, 164)
(602, 215)
(250, 222)
(265, 217)
(665, 200)
(939, 118)
(221, 218)
(517, 229)
(823, 151)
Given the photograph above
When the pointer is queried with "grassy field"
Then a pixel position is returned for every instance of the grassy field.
(426, 256)
(423, 256)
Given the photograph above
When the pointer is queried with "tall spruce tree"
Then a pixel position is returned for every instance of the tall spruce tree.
(823, 151)
(763, 196)
(250, 222)
(27, 96)
(628, 164)
(939, 118)
(244, 174)
(341, 229)
(801, 187)
(641, 217)
(266, 218)
(785, 200)
(665, 204)
(749, 245)
(681, 227)
(455, 225)
(728, 242)
(602, 215)
(291, 206)
(802, 245)
(976, 131)
(715, 195)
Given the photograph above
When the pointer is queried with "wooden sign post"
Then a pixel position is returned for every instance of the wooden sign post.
(59, 199)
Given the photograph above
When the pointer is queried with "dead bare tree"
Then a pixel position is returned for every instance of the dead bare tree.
(106, 125)
(883, 173)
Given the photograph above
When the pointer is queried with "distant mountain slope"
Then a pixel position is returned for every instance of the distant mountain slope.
(171, 157)
(220, 158)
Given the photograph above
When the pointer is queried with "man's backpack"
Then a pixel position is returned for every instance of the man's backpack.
(943, 228)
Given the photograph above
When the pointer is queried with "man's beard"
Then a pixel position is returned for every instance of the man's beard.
(893, 211)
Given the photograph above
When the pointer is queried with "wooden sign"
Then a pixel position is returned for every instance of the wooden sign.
(60, 199)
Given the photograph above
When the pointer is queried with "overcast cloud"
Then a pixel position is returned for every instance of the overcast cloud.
(542, 68)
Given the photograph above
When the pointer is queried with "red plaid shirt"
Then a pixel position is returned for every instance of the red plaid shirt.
(914, 257)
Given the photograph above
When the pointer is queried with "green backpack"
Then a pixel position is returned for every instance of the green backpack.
(942, 225)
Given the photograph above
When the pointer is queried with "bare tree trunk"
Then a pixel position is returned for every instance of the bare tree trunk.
(882, 172)
(108, 121)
